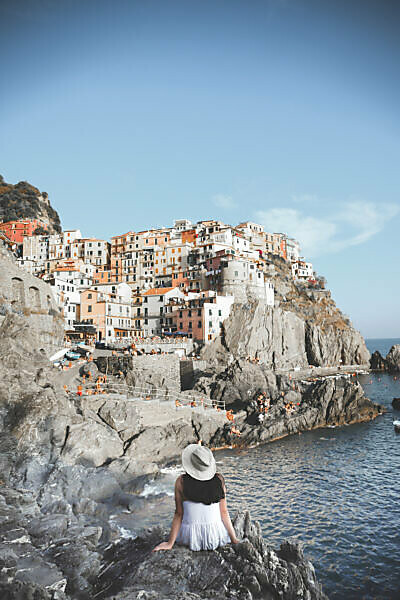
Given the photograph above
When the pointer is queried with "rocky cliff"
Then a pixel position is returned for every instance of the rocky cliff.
(24, 201)
(304, 329)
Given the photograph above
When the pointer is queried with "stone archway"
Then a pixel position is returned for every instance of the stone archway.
(18, 291)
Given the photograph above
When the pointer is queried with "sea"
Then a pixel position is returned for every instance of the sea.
(334, 490)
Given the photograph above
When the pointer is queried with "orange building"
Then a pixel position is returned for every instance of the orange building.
(104, 276)
(110, 314)
(17, 230)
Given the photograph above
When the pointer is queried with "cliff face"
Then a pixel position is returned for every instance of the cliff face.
(24, 201)
(285, 339)
(305, 327)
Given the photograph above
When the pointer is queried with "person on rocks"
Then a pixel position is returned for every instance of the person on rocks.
(201, 520)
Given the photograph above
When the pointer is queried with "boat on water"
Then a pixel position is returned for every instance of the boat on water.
(396, 425)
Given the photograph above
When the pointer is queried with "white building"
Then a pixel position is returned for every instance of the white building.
(182, 225)
(68, 299)
(36, 248)
(214, 314)
(154, 302)
(96, 252)
(122, 290)
(242, 278)
(302, 270)
(292, 249)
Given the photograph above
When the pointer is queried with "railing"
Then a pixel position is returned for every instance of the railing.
(193, 400)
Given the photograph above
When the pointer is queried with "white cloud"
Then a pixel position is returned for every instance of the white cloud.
(353, 223)
(224, 201)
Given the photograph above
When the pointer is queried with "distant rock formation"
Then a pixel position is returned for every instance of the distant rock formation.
(24, 201)
(391, 363)
(377, 362)
(393, 359)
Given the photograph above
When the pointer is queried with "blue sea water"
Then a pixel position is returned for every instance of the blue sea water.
(336, 490)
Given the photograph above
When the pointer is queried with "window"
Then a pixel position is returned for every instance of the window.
(181, 325)
(210, 312)
(199, 324)
(236, 273)
(146, 321)
(89, 308)
(161, 310)
(189, 313)
(180, 314)
(89, 296)
(190, 324)
(210, 324)
(220, 313)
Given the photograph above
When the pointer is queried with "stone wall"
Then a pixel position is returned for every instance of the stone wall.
(23, 294)
(188, 370)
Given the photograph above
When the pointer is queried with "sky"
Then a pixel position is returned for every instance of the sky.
(131, 114)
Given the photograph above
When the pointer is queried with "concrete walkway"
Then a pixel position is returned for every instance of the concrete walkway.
(323, 371)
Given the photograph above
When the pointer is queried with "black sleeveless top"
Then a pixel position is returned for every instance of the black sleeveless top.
(207, 492)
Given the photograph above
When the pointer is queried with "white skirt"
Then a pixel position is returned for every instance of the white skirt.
(202, 527)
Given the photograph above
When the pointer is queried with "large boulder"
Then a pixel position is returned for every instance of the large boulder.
(114, 365)
(377, 362)
(393, 359)
(248, 570)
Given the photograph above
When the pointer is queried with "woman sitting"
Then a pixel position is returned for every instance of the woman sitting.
(201, 520)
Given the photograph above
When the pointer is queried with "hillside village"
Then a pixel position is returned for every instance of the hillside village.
(178, 281)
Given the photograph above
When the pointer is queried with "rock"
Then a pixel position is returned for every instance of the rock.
(254, 329)
(330, 345)
(91, 444)
(250, 569)
(377, 362)
(114, 365)
(89, 368)
(396, 403)
(48, 527)
(393, 359)
(328, 401)
(123, 416)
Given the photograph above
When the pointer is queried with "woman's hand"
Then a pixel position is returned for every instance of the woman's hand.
(235, 541)
(163, 546)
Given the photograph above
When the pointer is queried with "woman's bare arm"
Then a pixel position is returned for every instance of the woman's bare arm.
(177, 520)
(223, 507)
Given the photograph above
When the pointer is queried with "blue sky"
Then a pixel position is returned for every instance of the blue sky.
(131, 114)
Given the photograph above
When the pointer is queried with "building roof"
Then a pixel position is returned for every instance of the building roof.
(65, 269)
(159, 291)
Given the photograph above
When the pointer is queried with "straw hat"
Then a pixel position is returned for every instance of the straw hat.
(199, 462)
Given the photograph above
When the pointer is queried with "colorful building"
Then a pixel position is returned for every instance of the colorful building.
(16, 231)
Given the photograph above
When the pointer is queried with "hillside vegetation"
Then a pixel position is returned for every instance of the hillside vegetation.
(24, 201)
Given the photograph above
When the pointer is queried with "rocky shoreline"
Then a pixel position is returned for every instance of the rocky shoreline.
(68, 463)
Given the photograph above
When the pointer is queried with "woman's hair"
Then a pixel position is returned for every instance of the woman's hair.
(206, 492)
